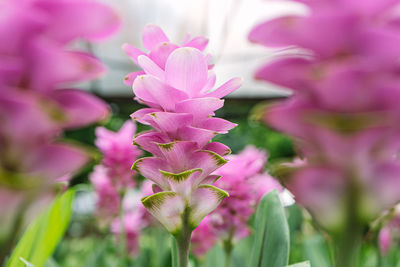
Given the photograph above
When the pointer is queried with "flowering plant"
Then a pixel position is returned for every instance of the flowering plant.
(176, 85)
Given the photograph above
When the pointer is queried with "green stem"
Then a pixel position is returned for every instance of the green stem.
(183, 241)
(348, 242)
(228, 246)
(123, 245)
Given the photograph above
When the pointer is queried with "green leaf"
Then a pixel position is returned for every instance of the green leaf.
(42, 235)
(300, 264)
(272, 243)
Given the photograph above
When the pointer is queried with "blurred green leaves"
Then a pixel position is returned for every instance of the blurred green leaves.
(272, 242)
(42, 235)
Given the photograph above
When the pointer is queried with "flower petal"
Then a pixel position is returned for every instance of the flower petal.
(204, 201)
(186, 69)
(130, 78)
(226, 88)
(199, 107)
(217, 125)
(150, 168)
(169, 123)
(153, 35)
(218, 148)
(161, 52)
(151, 89)
(80, 108)
(132, 52)
(150, 67)
(167, 207)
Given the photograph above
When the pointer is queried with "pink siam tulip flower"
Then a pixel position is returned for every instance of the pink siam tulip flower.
(345, 102)
(181, 108)
(246, 183)
(114, 176)
(108, 198)
(135, 218)
(344, 111)
(118, 153)
(204, 237)
(37, 67)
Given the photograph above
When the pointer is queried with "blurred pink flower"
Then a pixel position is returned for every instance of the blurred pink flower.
(37, 64)
(181, 109)
(244, 179)
(113, 177)
(344, 111)
(118, 153)
(204, 237)
(37, 67)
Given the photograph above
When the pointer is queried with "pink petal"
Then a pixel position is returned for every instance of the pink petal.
(201, 136)
(218, 148)
(204, 201)
(175, 153)
(207, 161)
(161, 52)
(141, 113)
(79, 19)
(199, 42)
(168, 208)
(80, 108)
(55, 160)
(186, 69)
(210, 82)
(276, 32)
(130, 78)
(217, 125)
(133, 52)
(169, 123)
(226, 88)
(150, 168)
(153, 35)
(199, 107)
(150, 67)
(148, 141)
(151, 89)
(293, 73)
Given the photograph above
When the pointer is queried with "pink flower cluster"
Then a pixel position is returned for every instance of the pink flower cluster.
(115, 185)
(176, 84)
(113, 177)
(244, 179)
(37, 65)
(134, 219)
(344, 110)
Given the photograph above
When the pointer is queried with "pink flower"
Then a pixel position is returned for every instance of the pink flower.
(135, 218)
(113, 177)
(246, 183)
(204, 237)
(181, 109)
(159, 47)
(119, 154)
(108, 198)
(37, 67)
(344, 109)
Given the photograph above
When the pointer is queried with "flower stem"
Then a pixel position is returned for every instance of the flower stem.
(348, 242)
(183, 241)
(228, 246)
